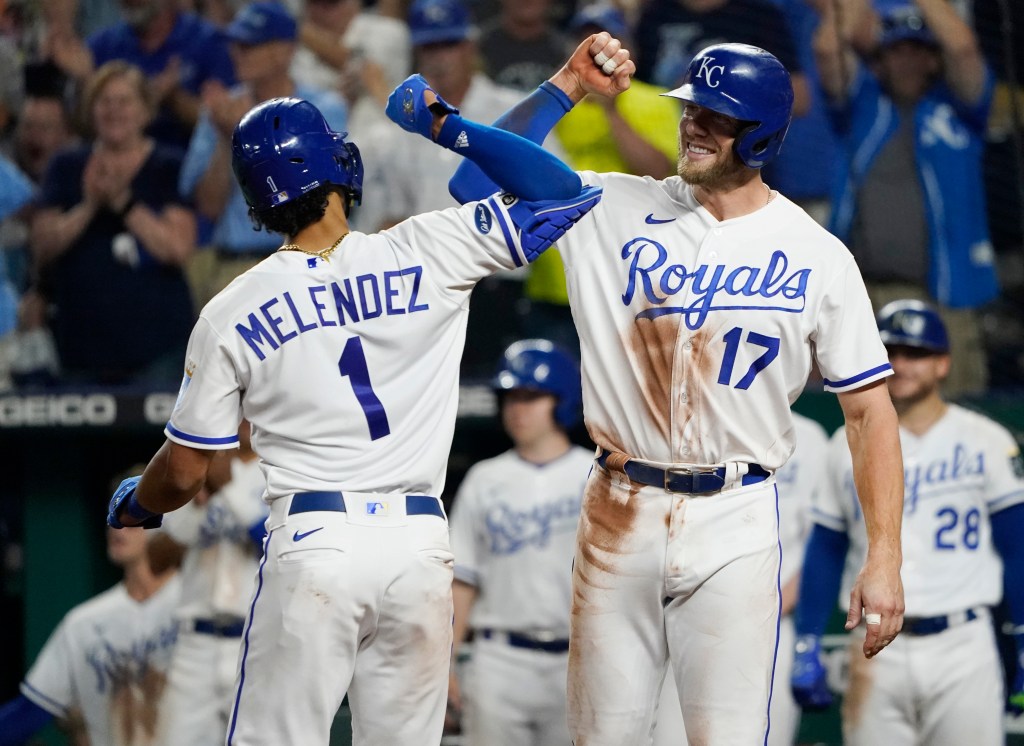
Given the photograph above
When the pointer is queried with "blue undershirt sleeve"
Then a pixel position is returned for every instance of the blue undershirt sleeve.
(532, 118)
(820, 579)
(20, 719)
(1007, 530)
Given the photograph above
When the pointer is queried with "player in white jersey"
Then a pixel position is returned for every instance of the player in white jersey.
(342, 351)
(223, 535)
(799, 480)
(104, 667)
(701, 302)
(941, 682)
(513, 533)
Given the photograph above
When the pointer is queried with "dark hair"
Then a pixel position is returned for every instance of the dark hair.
(291, 217)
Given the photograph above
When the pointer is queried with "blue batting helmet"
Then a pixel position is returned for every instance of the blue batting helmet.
(539, 365)
(905, 23)
(284, 147)
(439, 21)
(745, 83)
(912, 323)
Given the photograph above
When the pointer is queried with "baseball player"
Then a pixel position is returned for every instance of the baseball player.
(702, 301)
(342, 351)
(513, 529)
(105, 665)
(942, 681)
(223, 534)
(799, 480)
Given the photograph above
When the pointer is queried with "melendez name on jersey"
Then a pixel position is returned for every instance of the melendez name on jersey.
(347, 368)
(697, 334)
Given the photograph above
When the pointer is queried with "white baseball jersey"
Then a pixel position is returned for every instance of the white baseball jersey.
(348, 368)
(108, 659)
(409, 175)
(513, 526)
(221, 561)
(956, 475)
(696, 335)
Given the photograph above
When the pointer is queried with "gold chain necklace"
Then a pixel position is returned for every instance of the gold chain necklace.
(325, 254)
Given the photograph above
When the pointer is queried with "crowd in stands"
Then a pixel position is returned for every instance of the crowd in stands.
(120, 219)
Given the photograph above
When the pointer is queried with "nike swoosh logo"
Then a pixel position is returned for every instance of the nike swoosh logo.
(300, 537)
(651, 220)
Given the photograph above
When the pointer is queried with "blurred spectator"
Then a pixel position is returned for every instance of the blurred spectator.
(408, 175)
(103, 670)
(908, 197)
(671, 32)
(222, 534)
(361, 54)
(262, 41)
(513, 528)
(15, 191)
(522, 47)
(110, 239)
(177, 51)
(637, 132)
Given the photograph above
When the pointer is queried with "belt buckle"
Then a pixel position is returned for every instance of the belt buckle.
(687, 471)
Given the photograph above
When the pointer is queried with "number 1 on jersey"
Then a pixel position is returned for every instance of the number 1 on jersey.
(352, 363)
(732, 346)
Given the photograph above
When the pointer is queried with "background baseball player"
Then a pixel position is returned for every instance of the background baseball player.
(513, 528)
(941, 682)
(799, 480)
(342, 351)
(223, 536)
(702, 301)
(103, 671)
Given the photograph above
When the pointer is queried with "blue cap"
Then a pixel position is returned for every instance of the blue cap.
(438, 21)
(912, 323)
(904, 23)
(259, 23)
(605, 17)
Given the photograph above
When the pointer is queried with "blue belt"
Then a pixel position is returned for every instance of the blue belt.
(697, 480)
(308, 502)
(933, 625)
(517, 640)
(219, 628)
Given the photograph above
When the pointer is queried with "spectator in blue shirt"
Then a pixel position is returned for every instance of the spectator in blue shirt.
(908, 197)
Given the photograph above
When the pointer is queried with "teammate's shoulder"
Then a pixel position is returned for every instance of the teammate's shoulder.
(808, 429)
(964, 418)
(99, 608)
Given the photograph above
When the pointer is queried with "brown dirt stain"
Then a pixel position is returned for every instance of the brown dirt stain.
(652, 349)
(859, 687)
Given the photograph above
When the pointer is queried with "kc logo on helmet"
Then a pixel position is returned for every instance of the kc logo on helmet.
(709, 71)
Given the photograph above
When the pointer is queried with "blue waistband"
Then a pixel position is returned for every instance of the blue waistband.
(933, 625)
(308, 502)
(526, 642)
(218, 628)
(690, 481)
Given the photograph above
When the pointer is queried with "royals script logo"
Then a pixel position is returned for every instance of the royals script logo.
(707, 288)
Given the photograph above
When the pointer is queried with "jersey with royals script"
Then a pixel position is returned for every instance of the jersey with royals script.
(962, 470)
(697, 334)
(799, 480)
(513, 533)
(346, 367)
(107, 661)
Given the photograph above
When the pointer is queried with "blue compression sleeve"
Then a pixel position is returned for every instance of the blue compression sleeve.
(512, 162)
(1007, 530)
(532, 118)
(20, 719)
(820, 580)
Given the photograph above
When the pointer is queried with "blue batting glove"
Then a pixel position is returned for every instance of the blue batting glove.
(809, 680)
(543, 222)
(408, 110)
(123, 504)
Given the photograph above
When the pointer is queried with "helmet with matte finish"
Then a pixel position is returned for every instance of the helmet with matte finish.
(284, 147)
(746, 83)
(912, 323)
(539, 365)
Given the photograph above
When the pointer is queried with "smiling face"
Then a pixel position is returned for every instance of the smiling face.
(917, 374)
(120, 112)
(706, 156)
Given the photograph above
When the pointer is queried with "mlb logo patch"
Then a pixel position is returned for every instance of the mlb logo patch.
(376, 508)
(276, 199)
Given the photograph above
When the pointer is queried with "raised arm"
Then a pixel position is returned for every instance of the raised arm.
(873, 435)
(535, 116)
(963, 65)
